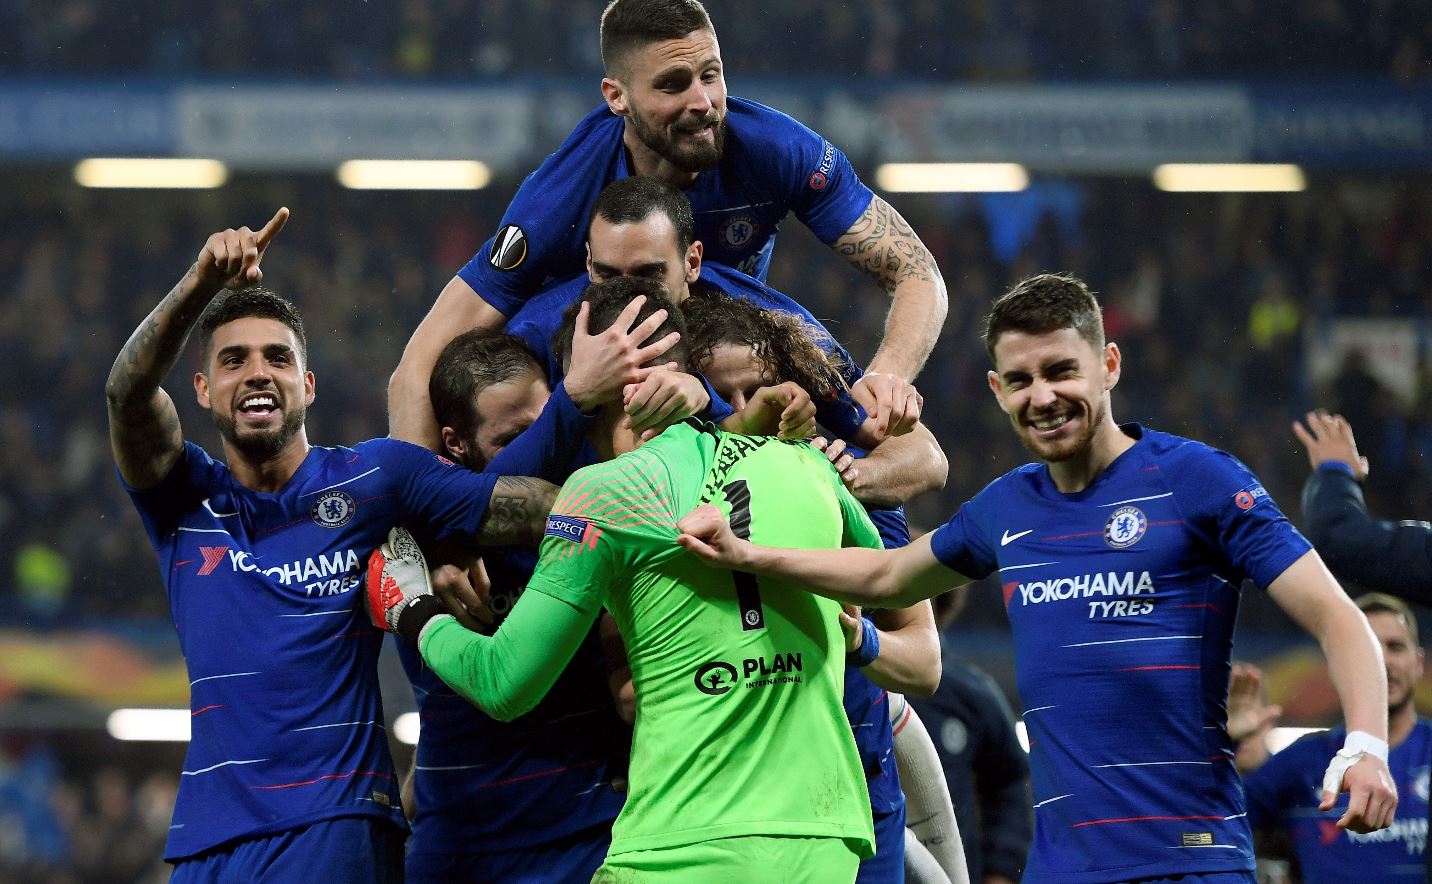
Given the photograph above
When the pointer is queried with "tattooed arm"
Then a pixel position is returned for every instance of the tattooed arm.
(881, 245)
(144, 427)
(517, 515)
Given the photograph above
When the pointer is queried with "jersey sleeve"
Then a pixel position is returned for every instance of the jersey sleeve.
(963, 543)
(162, 506)
(859, 529)
(609, 519)
(1393, 556)
(545, 225)
(508, 673)
(447, 499)
(825, 193)
(1229, 507)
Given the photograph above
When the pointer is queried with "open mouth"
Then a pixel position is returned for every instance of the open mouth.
(257, 406)
(1050, 425)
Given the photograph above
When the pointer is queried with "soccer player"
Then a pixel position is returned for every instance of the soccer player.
(744, 167)
(520, 800)
(742, 760)
(1394, 557)
(643, 226)
(1283, 792)
(287, 776)
(1120, 555)
(741, 347)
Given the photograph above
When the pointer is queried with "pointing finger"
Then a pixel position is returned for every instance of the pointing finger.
(271, 229)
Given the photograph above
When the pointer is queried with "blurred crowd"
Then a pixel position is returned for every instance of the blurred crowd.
(1209, 296)
(929, 39)
(60, 828)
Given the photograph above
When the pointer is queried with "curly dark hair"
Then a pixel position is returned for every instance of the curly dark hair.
(788, 346)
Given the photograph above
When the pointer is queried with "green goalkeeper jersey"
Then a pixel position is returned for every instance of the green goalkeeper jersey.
(739, 726)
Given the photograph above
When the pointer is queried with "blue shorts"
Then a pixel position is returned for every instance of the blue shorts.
(574, 858)
(357, 849)
(887, 866)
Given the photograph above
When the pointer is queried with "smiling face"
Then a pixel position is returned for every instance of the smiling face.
(1055, 389)
(256, 387)
(647, 249)
(673, 95)
(1401, 656)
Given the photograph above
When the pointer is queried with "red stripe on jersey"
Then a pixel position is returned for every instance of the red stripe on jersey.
(1148, 668)
(541, 773)
(205, 709)
(332, 776)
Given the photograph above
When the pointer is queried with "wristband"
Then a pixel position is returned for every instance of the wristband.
(869, 646)
(415, 615)
(1362, 742)
(1336, 466)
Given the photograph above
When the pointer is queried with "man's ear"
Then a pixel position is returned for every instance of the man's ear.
(997, 389)
(615, 94)
(1113, 365)
(310, 388)
(454, 444)
(693, 261)
(201, 390)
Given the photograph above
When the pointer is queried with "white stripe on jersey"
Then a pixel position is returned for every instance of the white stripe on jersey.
(1035, 565)
(190, 773)
(340, 484)
(315, 727)
(230, 675)
(1137, 499)
(1120, 641)
(1051, 800)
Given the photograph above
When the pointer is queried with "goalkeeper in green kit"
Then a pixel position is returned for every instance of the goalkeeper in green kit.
(743, 767)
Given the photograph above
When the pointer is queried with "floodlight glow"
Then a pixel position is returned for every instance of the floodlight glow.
(151, 725)
(1280, 738)
(406, 727)
(414, 175)
(951, 177)
(1230, 178)
(153, 172)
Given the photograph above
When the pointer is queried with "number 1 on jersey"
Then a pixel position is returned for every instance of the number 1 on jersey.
(748, 594)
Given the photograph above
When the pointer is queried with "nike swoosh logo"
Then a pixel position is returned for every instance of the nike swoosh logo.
(1008, 538)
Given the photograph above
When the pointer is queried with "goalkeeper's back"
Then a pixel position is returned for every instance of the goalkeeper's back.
(739, 728)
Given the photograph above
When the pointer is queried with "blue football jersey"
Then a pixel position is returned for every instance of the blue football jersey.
(484, 785)
(867, 705)
(539, 319)
(1286, 791)
(1122, 599)
(771, 166)
(287, 721)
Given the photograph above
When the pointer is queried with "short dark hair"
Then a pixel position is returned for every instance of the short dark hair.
(633, 24)
(632, 200)
(253, 301)
(469, 364)
(608, 300)
(1043, 304)
(785, 343)
(1382, 603)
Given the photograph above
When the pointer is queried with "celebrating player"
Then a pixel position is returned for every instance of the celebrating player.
(1282, 793)
(743, 760)
(744, 167)
(1120, 556)
(287, 775)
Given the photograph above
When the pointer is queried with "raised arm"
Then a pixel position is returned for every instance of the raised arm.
(410, 412)
(1393, 557)
(144, 427)
(893, 578)
(881, 244)
(1308, 593)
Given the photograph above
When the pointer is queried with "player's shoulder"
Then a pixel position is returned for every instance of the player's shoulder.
(583, 160)
(599, 128)
(1156, 443)
(385, 452)
(753, 120)
(1021, 480)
